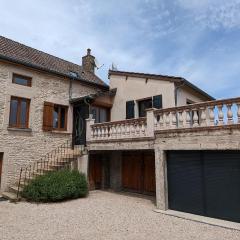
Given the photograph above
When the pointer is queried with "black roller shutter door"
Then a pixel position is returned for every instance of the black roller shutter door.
(222, 184)
(185, 182)
(205, 183)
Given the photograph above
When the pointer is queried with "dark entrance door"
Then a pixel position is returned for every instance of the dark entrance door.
(205, 183)
(138, 172)
(80, 114)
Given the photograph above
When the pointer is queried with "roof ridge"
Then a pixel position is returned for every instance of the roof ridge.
(142, 73)
(41, 51)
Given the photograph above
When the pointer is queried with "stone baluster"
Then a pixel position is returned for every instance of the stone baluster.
(106, 132)
(92, 132)
(103, 131)
(142, 128)
(167, 119)
(114, 131)
(195, 118)
(133, 129)
(156, 122)
(174, 120)
(220, 115)
(203, 118)
(211, 116)
(180, 118)
(229, 113)
(161, 121)
(123, 130)
(96, 133)
(188, 118)
(137, 129)
(238, 112)
(110, 131)
(119, 132)
(127, 129)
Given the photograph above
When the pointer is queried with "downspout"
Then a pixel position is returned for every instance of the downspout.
(176, 93)
(70, 89)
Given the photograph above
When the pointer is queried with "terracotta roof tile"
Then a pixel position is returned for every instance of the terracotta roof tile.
(17, 52)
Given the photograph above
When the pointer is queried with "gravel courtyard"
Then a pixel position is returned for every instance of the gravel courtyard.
(103, 215)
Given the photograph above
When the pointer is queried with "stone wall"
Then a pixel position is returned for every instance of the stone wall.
(23, 147)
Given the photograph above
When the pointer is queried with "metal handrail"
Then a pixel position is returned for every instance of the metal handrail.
(40, 165)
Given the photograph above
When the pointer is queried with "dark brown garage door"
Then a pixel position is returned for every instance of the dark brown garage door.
(95, 172)
(205, 183)
(138, 172)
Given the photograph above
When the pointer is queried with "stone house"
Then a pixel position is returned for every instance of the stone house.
(144, 133)
(33, 83)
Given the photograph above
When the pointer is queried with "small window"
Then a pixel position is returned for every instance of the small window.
(143, 105)
(60, 117)
(100, 114)
(19, 112)
(22, 80)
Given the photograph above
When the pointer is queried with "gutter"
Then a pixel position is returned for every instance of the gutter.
(8, 59)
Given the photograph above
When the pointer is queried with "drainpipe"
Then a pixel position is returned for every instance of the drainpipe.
(70, 89)
(176, 93)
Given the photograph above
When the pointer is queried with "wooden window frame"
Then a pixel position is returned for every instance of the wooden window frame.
(18, 117)
(29, 79)
(59, 117)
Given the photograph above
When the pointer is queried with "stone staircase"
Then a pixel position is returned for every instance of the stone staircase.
(64, 157)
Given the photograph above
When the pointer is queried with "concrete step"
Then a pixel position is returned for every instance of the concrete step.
(10, 196)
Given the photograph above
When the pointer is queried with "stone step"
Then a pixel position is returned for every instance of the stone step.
(10, 196)
(14, 189)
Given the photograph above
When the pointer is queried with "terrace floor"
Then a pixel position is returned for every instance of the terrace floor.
(103, 215)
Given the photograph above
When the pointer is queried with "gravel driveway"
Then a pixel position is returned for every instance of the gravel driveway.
(103, 215)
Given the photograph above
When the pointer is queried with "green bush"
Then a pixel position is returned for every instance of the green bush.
(56, 186)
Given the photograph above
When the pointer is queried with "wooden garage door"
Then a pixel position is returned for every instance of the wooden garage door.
(205, 183)
(95, 172)
(138, 172)
(1, 163)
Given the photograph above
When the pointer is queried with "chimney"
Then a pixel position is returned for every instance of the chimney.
(88, 62)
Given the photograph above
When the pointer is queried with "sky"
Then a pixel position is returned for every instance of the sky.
(195, 39)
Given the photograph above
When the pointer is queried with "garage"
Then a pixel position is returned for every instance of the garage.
(206, 183)
(138, 172)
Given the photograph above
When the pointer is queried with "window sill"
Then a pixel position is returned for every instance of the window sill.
(60, 132)
(19, 129)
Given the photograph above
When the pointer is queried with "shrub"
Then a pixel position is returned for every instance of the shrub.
(56, 186)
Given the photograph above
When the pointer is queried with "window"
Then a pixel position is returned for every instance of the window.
(22, 80)
(153, 102)
(100, 114)
(54, 117)
(130, 109)
(143, 105)
(19, 112)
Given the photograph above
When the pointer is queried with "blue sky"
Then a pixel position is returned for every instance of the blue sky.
(197, 40)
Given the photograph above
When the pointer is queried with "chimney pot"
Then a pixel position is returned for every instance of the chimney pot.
(88, 51)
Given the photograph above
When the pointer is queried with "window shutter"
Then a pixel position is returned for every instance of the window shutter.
(130, 109)
(157, 101)
(48, 116)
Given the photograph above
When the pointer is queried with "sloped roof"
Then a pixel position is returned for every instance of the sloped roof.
(19, 53)
(178, 80)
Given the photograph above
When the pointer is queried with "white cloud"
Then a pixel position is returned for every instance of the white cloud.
(147, 36)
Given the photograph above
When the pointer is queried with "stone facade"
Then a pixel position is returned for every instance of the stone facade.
(21, 147)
